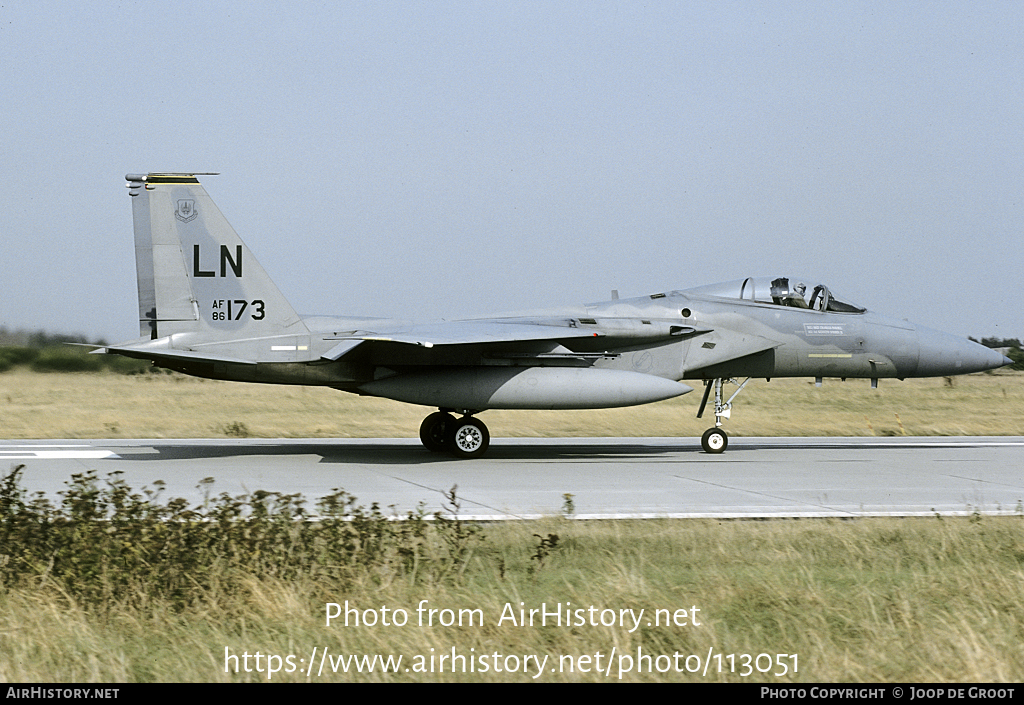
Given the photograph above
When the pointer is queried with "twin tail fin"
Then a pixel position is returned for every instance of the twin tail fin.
(195, 274)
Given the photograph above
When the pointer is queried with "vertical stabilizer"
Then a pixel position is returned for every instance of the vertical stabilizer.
(195, 274)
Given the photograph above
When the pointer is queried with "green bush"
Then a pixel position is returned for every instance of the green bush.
(67, 359)
(105, 541)
(1017, 355)
(11, 355)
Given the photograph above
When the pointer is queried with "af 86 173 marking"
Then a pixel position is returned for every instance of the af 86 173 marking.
(222, 309)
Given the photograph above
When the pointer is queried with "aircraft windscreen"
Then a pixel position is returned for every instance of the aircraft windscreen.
(782, 291)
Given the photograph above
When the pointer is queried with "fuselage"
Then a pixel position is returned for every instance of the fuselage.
(680, 335)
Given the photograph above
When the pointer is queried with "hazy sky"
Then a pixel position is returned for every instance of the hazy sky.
(444, 159)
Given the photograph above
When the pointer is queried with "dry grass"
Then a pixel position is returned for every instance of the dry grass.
(886, 600)
(105, 405)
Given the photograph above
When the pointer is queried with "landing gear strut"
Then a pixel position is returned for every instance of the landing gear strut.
(465, 437)
(716, 440)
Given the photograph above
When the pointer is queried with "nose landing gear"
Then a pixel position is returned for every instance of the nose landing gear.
(716, 440)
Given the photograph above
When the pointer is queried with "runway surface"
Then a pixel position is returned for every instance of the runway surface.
(608, 477)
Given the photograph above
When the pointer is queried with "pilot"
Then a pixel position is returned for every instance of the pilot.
(796, 297)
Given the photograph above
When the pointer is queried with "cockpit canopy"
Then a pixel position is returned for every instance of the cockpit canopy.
(780, 291)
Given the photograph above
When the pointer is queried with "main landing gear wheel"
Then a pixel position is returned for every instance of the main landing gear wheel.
(468, 438)
(434, 431)
(714, 440)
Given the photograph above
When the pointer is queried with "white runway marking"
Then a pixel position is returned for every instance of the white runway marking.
(34, 452)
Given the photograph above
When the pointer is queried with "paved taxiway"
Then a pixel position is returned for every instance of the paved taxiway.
(608, 477)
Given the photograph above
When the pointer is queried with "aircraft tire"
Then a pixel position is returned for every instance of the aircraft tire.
(434, 431)
(714, 440)
(468, 438)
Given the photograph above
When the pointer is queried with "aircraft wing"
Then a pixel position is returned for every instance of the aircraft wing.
(497, 331)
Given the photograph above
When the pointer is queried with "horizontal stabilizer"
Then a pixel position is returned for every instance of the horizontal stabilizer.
(156, 355)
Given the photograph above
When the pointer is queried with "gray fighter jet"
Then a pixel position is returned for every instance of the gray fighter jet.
(207, 308)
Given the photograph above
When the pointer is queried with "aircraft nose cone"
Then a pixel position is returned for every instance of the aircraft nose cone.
(942, 355)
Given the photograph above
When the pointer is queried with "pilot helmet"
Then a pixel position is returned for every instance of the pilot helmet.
(800, 288)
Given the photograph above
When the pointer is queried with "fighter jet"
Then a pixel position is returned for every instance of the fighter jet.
(207, 308)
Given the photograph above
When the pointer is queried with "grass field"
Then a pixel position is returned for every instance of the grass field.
(879, 600)
(106, 405)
